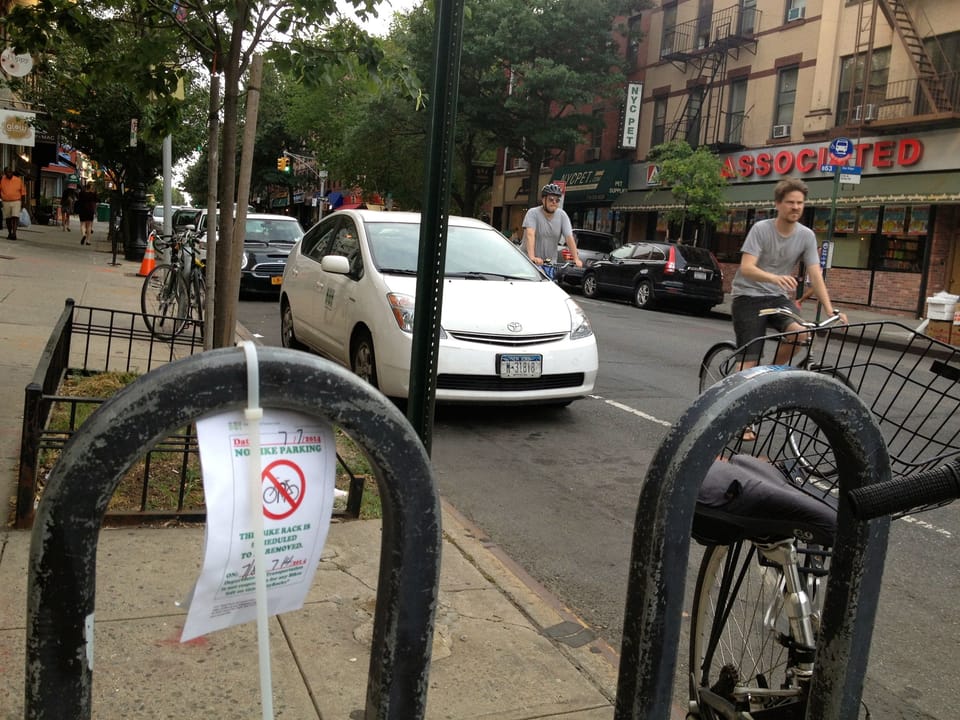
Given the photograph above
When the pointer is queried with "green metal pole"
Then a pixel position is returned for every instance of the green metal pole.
(833, 216)
(448, 34)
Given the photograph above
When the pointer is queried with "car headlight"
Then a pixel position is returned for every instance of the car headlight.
(579, 324)
(244, 261)
(402, 307)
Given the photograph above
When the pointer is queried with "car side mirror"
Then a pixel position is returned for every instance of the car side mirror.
(335, 264)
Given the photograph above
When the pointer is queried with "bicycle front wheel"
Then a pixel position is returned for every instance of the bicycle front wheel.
(164, 301)
(735, 644)
(717, 363)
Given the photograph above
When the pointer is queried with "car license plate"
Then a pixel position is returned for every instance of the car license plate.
(520, 366)
(699, 275)
(276, 280)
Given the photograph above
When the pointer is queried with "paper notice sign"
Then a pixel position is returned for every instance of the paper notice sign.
(297, 471)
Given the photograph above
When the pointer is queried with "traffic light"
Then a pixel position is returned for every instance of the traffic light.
(282, 164)
(287, 167)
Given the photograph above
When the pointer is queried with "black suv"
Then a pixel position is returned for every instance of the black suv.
(651, 272)
(592, 245)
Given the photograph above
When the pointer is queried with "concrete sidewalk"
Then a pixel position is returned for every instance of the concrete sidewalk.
(503, 648)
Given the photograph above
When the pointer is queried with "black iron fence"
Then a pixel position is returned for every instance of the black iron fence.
(88, 343)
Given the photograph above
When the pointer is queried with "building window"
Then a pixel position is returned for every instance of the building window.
(669, 39)
(633, 42)
(704, 20)
(786, 97)
(694, 106)
(659, 133)
(748, 17)
(796, 10)
(735, 111)
(853, 104)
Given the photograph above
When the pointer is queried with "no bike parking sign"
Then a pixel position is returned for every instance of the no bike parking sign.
(297, 469)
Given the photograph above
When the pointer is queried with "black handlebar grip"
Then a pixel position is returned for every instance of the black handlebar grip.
(930, 487)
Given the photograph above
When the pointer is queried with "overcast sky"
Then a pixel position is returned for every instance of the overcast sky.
(385, 10)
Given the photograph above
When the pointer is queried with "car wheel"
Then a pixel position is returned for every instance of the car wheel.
(643, 294)
(363, 360)
(590, 285)
(287, 337)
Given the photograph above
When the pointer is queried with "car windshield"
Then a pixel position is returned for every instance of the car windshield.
(472, 252)
(284, 230)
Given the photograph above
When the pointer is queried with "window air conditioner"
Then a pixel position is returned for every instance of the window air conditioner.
(796, 13)
(781, 131)
(592, 153)
(521, 164)
(865, 113)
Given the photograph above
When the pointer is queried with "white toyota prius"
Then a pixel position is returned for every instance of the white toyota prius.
(508, 334)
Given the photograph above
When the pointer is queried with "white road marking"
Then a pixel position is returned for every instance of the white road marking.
(633, 411)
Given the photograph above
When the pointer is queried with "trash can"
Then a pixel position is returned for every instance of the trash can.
(103, 212)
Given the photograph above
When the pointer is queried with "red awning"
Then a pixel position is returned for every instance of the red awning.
(59, 169)
(353, 206)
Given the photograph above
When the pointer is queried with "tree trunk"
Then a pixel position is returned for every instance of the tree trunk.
(228, 265)
(213, 165)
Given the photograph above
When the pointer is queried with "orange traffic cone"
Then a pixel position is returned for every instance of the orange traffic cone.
(149, 258)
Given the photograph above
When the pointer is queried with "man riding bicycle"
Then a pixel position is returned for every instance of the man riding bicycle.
(766, 277)
(547, 225)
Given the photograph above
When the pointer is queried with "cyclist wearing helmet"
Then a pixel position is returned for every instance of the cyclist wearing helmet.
(546, 226)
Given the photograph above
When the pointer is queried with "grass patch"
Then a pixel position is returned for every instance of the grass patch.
(168, 478)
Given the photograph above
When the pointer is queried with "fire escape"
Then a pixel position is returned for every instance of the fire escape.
(701, 48)
(931, 97)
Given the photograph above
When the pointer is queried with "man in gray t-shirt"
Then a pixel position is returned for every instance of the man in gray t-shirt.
(767, 274)
(546, 226)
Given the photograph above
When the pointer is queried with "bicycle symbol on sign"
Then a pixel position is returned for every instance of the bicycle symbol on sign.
(284, 488)
(274, 494)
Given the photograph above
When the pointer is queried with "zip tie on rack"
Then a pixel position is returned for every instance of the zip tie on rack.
(254, 414)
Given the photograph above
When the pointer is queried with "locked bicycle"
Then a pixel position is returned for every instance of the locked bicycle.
(173, 293)
(759, 591)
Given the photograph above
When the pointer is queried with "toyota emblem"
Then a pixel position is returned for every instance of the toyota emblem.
(514, 327)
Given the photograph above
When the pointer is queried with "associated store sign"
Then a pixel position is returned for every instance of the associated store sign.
(877, 155)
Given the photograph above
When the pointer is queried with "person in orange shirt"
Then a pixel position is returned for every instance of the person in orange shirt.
(12, 194)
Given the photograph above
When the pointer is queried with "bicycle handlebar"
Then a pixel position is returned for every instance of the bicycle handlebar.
(930, 487)
(833, 319)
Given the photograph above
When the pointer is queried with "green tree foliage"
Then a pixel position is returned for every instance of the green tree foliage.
(221, 37)
(694, 179)
(548, 62)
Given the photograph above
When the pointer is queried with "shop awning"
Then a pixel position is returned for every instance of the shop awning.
(351, 206)
(59, 169)
(915, 188)
(593, 182)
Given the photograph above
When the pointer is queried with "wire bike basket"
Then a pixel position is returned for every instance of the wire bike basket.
(908, 381)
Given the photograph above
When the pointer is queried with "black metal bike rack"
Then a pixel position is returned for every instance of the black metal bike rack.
(62, 567)
(661, 540)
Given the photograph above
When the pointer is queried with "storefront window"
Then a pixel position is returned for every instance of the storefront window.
(851, 251)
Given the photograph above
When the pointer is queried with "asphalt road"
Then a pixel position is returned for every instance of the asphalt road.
(557, 489)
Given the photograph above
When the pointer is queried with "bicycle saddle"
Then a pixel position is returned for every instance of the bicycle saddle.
(746, 498)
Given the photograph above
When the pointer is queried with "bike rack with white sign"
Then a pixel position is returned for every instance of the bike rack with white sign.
(63, 551)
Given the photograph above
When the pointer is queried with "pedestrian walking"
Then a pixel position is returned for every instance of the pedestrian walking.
(67, 201)
(12, 193)
(86, 209)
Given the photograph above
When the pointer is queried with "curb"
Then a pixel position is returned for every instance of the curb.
(595, 658)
